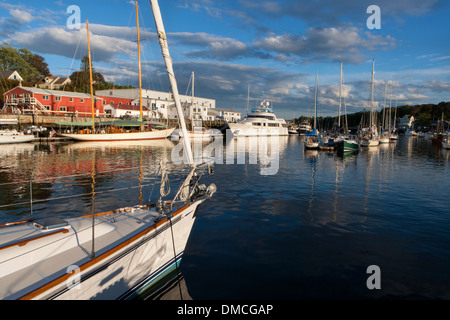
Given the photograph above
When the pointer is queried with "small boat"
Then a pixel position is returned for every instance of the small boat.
(384, 138)
(108, 255)
(326, 143)
(446, 141)
(13, 136)
(369, 136)
(312, 139)
(348, 144)
(369, 141)
(304, 127)
(393, 137)
(292, 130)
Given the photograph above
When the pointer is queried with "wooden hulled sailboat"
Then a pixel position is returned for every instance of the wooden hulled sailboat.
(114, 130)
(108, 255)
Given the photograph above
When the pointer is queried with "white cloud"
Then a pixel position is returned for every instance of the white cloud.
(21, 16)
(61, 41)
(326, 44)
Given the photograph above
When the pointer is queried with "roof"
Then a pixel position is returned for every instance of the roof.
(127, 106)
(57, 92)
(61, 80)
(7, 73)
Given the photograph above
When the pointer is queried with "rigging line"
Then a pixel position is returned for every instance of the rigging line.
(75, 54)
(73, 196)
(70, 176)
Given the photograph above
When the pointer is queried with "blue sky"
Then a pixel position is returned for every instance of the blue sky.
(275, 46)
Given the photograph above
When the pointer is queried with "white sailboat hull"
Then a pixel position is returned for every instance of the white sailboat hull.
(133, 250)
(11, 137)
(370, 143)
(247, 130)
(150, 135)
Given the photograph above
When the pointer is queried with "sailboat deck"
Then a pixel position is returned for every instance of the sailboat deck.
(23, 270)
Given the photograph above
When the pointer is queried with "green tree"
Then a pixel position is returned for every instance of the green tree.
(12, 59)
(80, 79)
(36, 61)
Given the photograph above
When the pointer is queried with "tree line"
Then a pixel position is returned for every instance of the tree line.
(33, 68)
(425, 115)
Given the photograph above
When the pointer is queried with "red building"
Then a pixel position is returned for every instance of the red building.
(36, 100)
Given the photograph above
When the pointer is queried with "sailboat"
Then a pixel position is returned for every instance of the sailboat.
(394, 135)
(446, 140)
(312, 139)
(369, 136)
(118, 130)
(385, 132)
(108, 255)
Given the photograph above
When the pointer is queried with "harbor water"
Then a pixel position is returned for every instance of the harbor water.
(314, 227)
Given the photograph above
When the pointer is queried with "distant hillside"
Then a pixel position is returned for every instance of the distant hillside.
(425, 115)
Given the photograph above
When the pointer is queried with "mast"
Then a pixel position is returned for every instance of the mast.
(371, 96)
(248, 98)
(90, 77)
(340, 98)
(384, 109)
(390, 109)
(315, 104)
(139, 61)
(173, 82)
(395, 114)
(193, 86)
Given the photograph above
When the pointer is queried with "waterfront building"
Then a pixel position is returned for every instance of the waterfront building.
(29, 100)
(160, 105)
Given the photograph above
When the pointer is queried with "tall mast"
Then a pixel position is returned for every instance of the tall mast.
(90, 77)
(390, 109)
(173, 82)
(193, 86)
(315, 103)
(139, 61)
(371, 95)
(385, 106)
(340, 98)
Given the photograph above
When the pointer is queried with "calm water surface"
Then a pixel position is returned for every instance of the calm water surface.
(310, 231)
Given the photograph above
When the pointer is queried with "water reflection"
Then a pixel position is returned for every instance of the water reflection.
(71, 175)
(171, 287)
(324, 216)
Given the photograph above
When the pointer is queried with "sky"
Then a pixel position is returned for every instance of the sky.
(246, 51)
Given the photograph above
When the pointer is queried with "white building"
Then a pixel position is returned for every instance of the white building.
(161, 105)
(120, 110)
(11, 75)
(226, 115)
